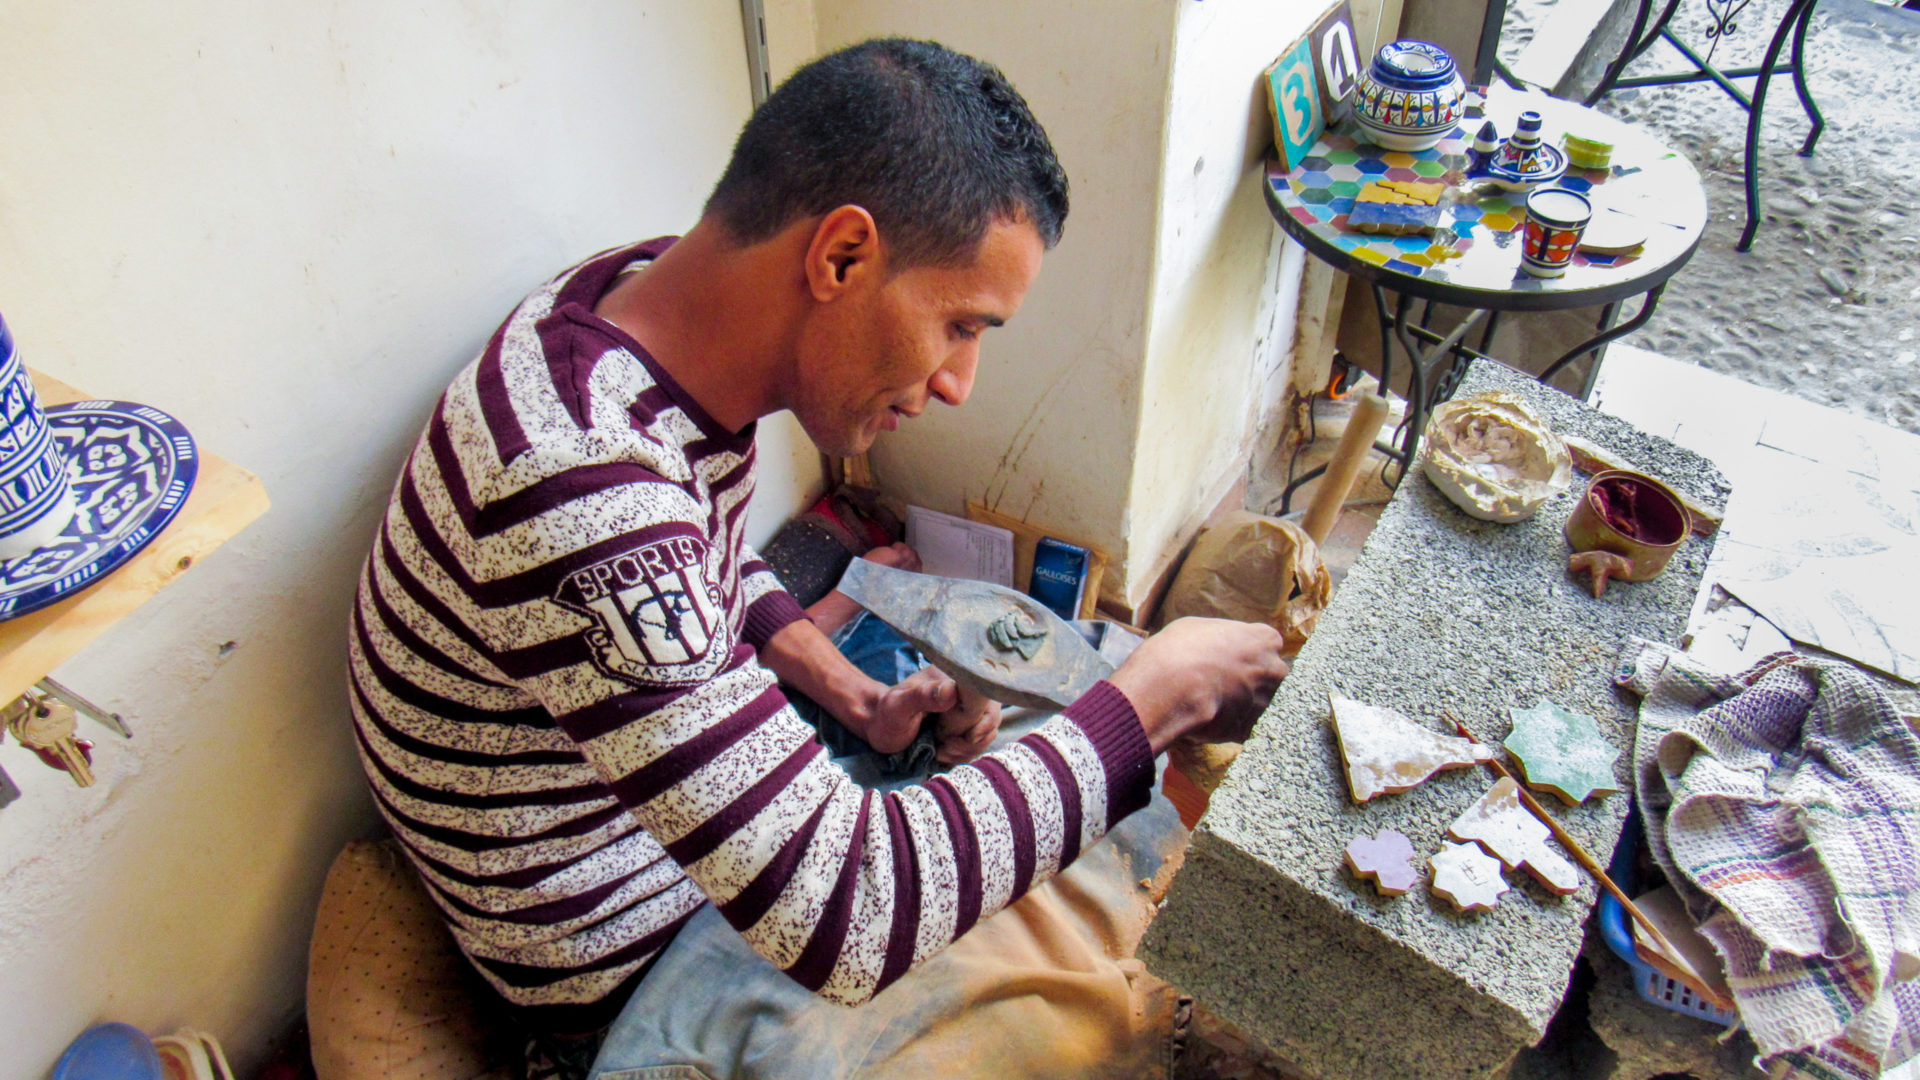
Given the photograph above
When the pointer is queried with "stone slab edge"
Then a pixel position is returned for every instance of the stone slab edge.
(1440, 611)
(1281, 954)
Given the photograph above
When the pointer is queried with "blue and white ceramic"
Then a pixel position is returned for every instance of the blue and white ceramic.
(1409, 98)
(35, 499)
(1525, 161)
(130, 468)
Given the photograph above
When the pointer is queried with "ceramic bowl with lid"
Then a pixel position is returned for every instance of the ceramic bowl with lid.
(1409, 97)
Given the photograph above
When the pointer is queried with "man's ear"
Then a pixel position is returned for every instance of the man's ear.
(845, 252)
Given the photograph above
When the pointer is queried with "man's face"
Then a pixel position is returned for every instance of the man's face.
(885, 351)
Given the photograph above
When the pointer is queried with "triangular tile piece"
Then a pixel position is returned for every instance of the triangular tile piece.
(1386, 752)
(1563, 752)
(1467, 877)
(1504, 826)
(1386, 858)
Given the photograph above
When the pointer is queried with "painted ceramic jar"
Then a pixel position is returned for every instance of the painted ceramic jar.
(36, 500)
(1409, 98)
(1555, 219)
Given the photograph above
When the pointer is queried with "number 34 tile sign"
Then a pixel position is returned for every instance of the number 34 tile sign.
(1310, 83)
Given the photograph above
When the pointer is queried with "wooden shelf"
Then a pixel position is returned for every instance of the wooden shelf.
(225, 499)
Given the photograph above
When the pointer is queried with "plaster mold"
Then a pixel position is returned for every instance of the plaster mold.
(1495, 458)
(1384, 752)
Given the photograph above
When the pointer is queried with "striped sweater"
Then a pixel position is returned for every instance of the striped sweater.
(559, 708)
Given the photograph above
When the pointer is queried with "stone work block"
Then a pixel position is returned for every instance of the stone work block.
(1441, 611)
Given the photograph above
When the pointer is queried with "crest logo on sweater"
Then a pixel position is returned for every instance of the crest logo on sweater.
(657, 618)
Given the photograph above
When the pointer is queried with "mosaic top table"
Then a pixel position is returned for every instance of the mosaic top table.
(1472, 260)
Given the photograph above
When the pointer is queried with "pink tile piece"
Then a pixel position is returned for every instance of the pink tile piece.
(1386, 858)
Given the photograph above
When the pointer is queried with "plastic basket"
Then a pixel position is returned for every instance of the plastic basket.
(1647, 979)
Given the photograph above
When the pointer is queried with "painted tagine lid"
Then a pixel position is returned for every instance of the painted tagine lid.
(1412, 65)
(1525, 154)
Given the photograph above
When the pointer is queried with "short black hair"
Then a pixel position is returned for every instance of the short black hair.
(936, 145)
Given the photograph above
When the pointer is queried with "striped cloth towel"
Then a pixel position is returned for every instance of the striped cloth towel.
(1784, 805)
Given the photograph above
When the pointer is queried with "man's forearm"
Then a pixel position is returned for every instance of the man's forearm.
(803, 657)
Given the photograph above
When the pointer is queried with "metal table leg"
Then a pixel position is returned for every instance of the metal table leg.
(1793, 23)
(1427, 386)
(1594, 343)
(1639, 40)
(1420, 364)
(1796, 24)
(1800, 81)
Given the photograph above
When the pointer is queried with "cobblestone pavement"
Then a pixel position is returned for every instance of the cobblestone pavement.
(1827, 304)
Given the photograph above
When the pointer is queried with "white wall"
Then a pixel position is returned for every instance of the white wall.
(288, 225)
(1126, 394)
(1223, 295)
(1048, 435)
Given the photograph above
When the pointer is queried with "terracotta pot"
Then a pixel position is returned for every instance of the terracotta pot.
(1630, 515)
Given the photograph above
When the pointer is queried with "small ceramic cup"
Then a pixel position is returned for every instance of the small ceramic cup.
(36, 500)
(1555, 219)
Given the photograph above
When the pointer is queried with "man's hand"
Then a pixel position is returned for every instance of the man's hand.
(967, 729)
(897, 555)
(968, 721)
(1208, 679)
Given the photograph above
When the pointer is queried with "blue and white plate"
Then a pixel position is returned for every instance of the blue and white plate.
(131, 467)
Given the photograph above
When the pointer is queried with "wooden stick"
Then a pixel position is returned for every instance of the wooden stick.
(1573, 847)
(1369, 413)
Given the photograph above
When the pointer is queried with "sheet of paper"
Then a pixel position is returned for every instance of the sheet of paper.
(1829, 558)
(955, 547)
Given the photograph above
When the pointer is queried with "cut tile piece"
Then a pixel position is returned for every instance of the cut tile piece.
(1503, 825)
(1387, 858)
(1563, 752)
(1384, 751)
(1426, 192)
(1383, 191)
(1398, 219)
(1401, 192)
(1467, 877)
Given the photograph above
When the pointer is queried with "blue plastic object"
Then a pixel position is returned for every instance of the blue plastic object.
(1648, 980)
(110, 1052)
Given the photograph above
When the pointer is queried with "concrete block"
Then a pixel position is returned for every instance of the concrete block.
(1263, 924)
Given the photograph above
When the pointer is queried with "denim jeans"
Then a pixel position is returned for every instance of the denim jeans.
(882, 654)
(713, 1009)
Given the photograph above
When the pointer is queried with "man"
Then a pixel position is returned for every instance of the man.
(564, 659)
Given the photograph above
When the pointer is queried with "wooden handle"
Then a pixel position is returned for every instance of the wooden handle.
(1369, 413)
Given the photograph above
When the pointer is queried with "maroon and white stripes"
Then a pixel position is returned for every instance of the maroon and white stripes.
(557, 701)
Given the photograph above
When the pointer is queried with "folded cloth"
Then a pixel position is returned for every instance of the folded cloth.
(1784, 805)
